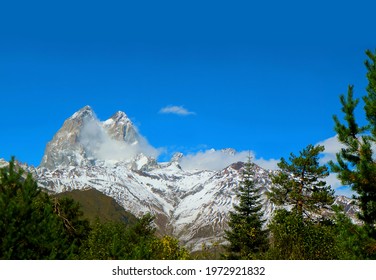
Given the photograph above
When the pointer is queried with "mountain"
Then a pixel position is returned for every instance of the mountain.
(83, 140)
(113, 158)
(65, 148)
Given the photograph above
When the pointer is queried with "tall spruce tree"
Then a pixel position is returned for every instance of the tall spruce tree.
(300, 184)
(356, 163)
(247, 237)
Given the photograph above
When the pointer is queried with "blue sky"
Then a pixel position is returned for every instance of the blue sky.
(263, 76)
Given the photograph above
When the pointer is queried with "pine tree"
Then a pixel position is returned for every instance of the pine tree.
(29, 225)
(299, 183)
(25, 218)
(356, 164)
(352, 241)
(71, 219)
(300, 233)
(246, 235)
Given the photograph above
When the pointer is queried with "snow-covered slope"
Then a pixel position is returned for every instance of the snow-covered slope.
(3, 163)
(113, 158)
(191, 205)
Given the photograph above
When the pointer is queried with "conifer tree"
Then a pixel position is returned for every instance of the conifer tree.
(356, 164)
(77, 228)
(299, 183)
(29, 226)
(300, 233)
(246, 235)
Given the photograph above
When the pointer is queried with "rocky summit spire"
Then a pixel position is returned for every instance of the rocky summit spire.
(83, 139)
(65, 149)
(83, 113)
(121, 128)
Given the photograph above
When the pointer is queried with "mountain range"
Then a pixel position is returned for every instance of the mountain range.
(113, 158)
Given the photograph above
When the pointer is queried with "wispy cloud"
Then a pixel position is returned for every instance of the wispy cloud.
(99, 144)
(177, 110)
(217, 160)
(271, 164)
(332, 147)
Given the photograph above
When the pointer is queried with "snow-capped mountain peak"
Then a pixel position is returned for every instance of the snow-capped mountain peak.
(112, 157)
(121, 128)
(83, 113)
(65, 148)
(120, 116)
(83, 139)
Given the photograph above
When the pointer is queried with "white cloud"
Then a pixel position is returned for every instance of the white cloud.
(217, 160)
(267, 163)
(177, 110)
(211, 160)
(345, 191)
(333, 181)
(332, 147)
(99, 145)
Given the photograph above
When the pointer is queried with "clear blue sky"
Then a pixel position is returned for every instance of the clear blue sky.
(257, 75)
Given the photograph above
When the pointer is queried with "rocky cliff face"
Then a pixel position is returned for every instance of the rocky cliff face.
(120, 128)
(83, 140)
(65, 148)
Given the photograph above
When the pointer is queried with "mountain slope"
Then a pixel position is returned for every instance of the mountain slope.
(96, 205)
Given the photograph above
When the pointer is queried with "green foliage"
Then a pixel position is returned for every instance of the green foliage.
(300, 184)
(352, 240)
(370, 98)
(246, 235)
(118, 241)
(35, 226)
(301, 233)
(168, 248)
(76, 228)
(294, 238)
(356, 165)
(29, 226)
(212, 251)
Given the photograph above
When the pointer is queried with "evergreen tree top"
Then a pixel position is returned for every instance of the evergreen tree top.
(300, 182)
(246, 235)
(356, 165)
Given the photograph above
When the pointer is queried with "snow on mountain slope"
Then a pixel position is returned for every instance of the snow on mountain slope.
(192, 205)
(3, 163)
(202, 214)
(112, 157)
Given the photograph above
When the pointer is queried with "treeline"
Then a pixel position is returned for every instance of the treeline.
(301, 227)
(35, 225)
